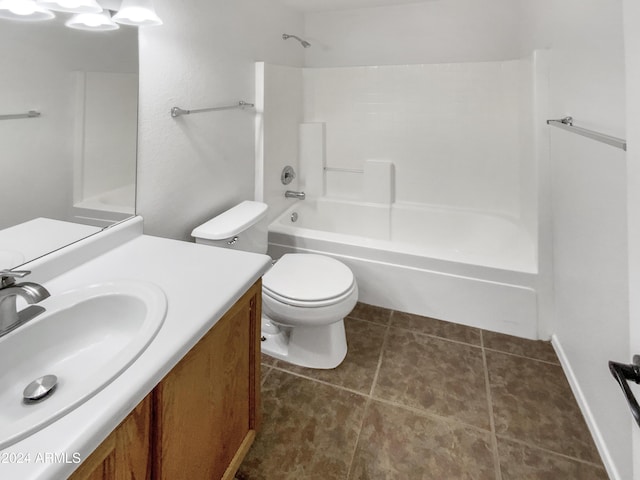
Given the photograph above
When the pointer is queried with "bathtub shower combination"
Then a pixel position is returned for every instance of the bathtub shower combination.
(470, 268)
(423, 179)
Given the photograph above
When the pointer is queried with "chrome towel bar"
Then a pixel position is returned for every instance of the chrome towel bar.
(177, 111)
(566, 123)
(29, 114)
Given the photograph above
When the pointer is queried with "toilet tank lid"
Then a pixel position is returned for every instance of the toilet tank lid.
(232, 222)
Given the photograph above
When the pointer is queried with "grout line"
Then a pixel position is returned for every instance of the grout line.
(492, 422)
(430, 335)
(355, 448)
(557, 364)
(367, 321)
(434, 416)
(375, 375)
(268, 369)
(339, 387)
(551, 452)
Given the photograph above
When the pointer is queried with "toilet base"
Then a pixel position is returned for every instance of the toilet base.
(322, 347)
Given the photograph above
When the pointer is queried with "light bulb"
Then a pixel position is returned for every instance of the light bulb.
(71, 6)
(138, 13)
(100, 22)
(24, 10)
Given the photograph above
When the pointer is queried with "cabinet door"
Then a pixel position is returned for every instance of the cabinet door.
(126, 453)
(206, 407)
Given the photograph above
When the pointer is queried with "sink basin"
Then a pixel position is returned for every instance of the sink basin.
(86, 338)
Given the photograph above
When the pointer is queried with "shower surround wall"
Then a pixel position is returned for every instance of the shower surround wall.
(460, 140)
(452, 131)
(278, 114)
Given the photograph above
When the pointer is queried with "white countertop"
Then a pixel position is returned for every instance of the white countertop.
(39, 236)
(200, 282)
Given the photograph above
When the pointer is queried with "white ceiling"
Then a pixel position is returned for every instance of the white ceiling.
(328, 5)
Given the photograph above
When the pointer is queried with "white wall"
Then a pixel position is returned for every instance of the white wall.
(279, 115)
(439, 31)
(588, 196)
(194, 167)
(632, 52)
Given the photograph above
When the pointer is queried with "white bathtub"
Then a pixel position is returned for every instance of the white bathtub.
(119, 200)
(467, 267)
(107, 207)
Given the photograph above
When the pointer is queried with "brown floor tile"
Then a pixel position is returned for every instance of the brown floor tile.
(266, 359)
(520, 346)
(399, 444)
(438, 376)
(264, 373)
(438, 328)
(364, 340)
(371, 313)
(532, 402)
(520, 462)
(309, 431)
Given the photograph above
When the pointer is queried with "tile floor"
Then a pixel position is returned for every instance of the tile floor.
(418, 398)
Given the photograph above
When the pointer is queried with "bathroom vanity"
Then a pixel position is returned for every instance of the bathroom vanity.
(188, 406)
(200, 421)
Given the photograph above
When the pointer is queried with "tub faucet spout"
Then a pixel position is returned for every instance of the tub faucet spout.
(292, 194)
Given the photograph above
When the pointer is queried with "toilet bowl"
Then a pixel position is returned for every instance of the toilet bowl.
(305, 297)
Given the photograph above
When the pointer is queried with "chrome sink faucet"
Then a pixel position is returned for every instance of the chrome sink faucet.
(10, 318)
(292, 194)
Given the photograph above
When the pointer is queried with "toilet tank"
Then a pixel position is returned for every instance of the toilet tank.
(243, 227)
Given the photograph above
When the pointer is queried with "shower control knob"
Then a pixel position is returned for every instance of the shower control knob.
(288, 174)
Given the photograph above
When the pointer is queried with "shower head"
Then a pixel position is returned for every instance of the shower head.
(304, 43)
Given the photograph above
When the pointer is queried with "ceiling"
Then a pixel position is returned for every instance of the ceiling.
(328, 5)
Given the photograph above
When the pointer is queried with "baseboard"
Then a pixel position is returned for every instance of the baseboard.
(612, 471)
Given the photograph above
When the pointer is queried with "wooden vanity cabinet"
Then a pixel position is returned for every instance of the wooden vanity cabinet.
(202, 417)
(207, 407)
(125, 454)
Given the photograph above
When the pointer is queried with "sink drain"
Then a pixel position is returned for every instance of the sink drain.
(40, 389)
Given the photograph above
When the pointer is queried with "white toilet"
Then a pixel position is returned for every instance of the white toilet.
(305, 297)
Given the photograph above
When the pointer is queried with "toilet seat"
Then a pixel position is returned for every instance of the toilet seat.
(308, 280)
(302, 304)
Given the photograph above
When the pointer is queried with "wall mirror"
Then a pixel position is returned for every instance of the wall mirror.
(68, 167)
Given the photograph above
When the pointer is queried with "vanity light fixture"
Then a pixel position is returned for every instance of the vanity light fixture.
(89, 14)
(71, 6)
(94, 22)
(24, 10)
(139, 13)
